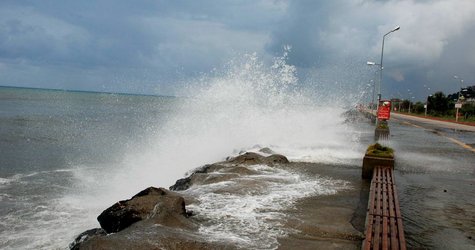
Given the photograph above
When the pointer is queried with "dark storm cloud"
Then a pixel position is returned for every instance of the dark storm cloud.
(432, 45)
(146, 46)
(105, 40)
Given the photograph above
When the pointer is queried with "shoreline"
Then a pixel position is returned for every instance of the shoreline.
(85, 91)
(322, 220)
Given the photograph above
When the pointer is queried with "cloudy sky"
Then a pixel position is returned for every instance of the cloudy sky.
(153, 46)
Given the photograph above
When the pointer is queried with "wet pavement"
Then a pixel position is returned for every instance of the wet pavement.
(432, 123)
(435, 177)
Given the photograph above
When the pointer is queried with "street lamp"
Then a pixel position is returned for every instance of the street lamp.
(369, 63)
(461, 82)
(458, 105)
(427, 100)
(381, 63)
(409, 93)
(374, 83)
(372, 99)
(399, 102)
(410, 102)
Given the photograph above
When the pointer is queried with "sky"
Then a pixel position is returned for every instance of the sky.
(152, 47)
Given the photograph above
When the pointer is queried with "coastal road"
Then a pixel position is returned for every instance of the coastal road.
(435, 176)
(460, 134)
(433, 123)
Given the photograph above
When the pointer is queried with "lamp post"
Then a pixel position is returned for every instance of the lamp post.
(374, 83)
(381, 65)
(458, 105)
(372, 98)
(410, 102)
(461, 82)
(409, 92)
(399, 103)
(427, 100)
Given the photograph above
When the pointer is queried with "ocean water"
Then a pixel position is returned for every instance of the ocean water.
(57, 145)
(67, 156)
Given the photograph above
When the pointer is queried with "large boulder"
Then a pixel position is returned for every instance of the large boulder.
(157, 204)
(155, 218)
(86, 236)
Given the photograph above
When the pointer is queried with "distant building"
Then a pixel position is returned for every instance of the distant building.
(467, 94)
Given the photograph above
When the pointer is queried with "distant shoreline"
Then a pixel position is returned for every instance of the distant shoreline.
(83, 91)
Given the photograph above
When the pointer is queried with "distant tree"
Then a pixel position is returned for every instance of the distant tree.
(418, 107)
(468, 92)
(453, 97)
(439, 103)
(468, 110)
(405, 105)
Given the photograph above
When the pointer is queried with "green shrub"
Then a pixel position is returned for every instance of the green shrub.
(383, 125)
(380, 151)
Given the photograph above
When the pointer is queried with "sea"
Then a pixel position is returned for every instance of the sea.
(65, 156)
(68, 155)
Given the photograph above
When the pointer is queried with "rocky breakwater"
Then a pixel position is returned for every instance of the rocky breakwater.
(229, 169)
(157, 218)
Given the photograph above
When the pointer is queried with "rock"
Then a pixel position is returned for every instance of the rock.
(142, 235)
(250, 158)
(85, 236)
(156, 218)
(156, 204)
(129, 224)
(240, 170)
(202, 179)
(185, 183)
(276, 158)
(266, 151)
(181, 184)
(203, 175)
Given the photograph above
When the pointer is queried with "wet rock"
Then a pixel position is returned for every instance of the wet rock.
(181, 184)
(240, 170)
(223, 171)
(266, 151)
(202, 179)
(130, 224)
(156, 204)
(185, 183)
(276, 158)
(85, 236)
(251, 158)
(142, 235)
(248, 158)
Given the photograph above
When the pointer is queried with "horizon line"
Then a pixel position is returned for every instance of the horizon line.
(85, 91)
